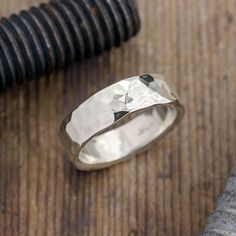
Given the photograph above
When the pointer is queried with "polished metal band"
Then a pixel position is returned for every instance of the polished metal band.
(120, 120)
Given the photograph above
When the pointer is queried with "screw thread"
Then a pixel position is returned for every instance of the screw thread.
(53, 35)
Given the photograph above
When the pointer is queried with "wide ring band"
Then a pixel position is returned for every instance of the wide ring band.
(120, 120)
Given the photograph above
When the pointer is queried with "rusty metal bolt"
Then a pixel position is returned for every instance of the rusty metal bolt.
(223, 220)
(53, 35)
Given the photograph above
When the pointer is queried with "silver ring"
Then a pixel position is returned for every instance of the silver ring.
(120, 121)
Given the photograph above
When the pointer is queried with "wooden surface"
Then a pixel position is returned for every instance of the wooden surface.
(168, 190)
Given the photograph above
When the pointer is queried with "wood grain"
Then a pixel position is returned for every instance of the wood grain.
(168, 190)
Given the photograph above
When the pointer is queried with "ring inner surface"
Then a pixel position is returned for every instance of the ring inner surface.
(130, 137)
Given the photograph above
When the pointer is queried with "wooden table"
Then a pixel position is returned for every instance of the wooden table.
(168, 190)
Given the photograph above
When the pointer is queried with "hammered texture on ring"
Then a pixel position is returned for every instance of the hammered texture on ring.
(119, 121)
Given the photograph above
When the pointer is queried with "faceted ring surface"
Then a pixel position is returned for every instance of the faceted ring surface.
(120, 121)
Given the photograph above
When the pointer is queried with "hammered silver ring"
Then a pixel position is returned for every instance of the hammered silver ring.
(119, 121)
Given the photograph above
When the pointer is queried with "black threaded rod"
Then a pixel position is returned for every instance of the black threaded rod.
(55, 34)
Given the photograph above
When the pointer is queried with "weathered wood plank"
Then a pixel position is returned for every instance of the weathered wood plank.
(168, 190)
